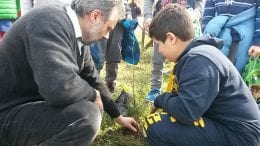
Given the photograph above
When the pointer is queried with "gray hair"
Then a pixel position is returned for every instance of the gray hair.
(83, 7)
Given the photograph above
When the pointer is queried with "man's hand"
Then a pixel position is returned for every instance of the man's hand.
(127, 122)
(254, 51)
(147, 23)
(98, 101)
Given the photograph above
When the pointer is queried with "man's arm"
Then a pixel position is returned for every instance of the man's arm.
(90, 75)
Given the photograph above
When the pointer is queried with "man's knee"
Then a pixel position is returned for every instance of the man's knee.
(85, 112)
(79, 133)
(83, 119)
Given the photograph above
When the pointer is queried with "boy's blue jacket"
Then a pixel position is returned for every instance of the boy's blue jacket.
(130, 47)
(244, 24)
(211, 87)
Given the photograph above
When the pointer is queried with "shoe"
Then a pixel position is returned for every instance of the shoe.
(111, 86)
(122, 102)
(153, 94)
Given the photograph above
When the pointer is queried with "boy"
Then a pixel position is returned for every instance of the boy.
(157, 59)
(213, 106)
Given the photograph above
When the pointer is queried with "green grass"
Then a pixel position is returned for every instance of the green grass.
(136, 80)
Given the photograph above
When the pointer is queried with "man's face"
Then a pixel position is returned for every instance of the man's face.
(99, 29)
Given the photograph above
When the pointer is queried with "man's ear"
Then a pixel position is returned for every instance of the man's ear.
(95, 15)
(171, 37)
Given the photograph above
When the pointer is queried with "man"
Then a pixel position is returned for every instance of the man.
(213, 106)
(157, 59)
(50, 92)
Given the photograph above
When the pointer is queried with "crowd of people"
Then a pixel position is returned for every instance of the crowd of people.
(51, 92)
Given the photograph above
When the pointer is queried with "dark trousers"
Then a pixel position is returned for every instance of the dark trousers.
(163, 130)
(111, 50)
(36, 123)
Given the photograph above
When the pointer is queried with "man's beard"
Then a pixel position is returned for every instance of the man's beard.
(92, 35)
(86, 38)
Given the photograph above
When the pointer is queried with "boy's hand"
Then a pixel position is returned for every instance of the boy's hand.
(152, 109)
(127, 122)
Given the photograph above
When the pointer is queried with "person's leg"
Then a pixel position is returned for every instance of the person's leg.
(36, 123)
(113, 55)
(111, 75)
(156, 77)
(165, 131)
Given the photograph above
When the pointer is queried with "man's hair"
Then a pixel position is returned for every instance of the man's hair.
(173, 18)
(84, 7)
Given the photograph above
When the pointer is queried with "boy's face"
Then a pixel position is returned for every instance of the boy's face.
(168, 48)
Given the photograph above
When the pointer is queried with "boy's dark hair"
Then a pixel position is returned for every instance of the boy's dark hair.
(173, 18)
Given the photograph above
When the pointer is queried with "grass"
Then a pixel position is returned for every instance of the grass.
(135, 79)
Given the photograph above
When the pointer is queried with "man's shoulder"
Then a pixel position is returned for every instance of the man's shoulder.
(48, 14)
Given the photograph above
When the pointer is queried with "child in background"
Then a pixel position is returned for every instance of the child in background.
(196, 8)
(237, 22)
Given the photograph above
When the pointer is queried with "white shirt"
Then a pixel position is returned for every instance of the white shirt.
(75, 21)
(26, 6)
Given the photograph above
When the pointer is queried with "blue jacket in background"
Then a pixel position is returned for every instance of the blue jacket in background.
(244, 25)
(130, 47)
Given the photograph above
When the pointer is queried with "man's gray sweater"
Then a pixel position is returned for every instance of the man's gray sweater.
(40, 61)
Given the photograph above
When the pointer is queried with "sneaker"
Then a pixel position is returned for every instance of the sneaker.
(111, 86)
(153, 94)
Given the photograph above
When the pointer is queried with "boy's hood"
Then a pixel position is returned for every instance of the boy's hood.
(203, 40)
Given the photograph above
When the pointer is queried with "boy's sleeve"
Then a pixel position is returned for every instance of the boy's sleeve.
(198, 87)
(209, 13)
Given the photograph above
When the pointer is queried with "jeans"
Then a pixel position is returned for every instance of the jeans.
(36, 123)
(157, 62)
(161, 130)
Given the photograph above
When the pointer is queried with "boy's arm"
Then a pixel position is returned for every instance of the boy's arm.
(198, 87)
(256, 41)
(209, 13)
